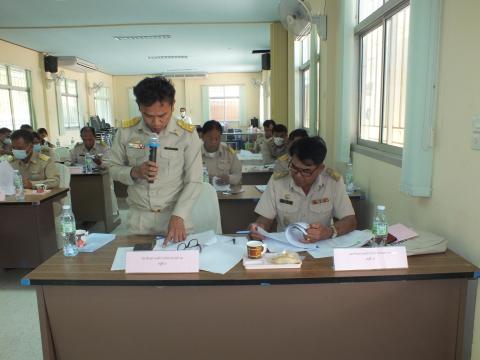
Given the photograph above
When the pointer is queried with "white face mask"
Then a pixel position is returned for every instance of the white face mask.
(182, 114)
(278, 141)
(7, 141)
(210, 154)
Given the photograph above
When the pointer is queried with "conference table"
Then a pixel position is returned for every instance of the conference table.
(92, 199)
(89, 312)
(28, 235)
(237, 211)
(256, 174)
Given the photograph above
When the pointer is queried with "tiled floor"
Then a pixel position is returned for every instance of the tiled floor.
(19, 325)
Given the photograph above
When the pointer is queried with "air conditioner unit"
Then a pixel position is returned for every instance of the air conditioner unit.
(197, 75)
(76, 64)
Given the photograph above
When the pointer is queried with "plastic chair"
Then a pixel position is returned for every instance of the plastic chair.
(205, 214)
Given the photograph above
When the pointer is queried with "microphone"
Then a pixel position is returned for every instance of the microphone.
(153, 144)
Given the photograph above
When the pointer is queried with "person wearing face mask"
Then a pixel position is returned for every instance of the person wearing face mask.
(35, 168)
(221, 160)
(161, 193)
(44, 137)
(88, 146)
(263, 140)
(306, 194)
(278, 146)
(38, 147)
(184, 117)
(5, 141)
(281, 164)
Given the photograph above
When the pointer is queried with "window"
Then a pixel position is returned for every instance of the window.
(224, 103)
(305, 81)
(383, 43)
(15, 103)
(102, 104)
(69, 98)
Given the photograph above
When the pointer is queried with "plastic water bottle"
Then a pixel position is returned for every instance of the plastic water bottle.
(68, 228)
(349, 178)
(205, 174)
(88, 168)
(379, 227)
(72, 143)
(18, 183)
(58, 143)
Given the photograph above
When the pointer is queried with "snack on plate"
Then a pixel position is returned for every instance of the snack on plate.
(286, 257)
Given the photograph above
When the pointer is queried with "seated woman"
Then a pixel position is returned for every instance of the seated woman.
(221, 161)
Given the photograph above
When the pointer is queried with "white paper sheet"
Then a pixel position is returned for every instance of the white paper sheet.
(120, 256)
(261, 188)
(248, 155)
(96, 241)
(218, 185)
(6, 178)
(353, 239)
(222, 256)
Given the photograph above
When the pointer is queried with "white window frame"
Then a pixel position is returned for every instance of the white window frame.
(67, 118)
(98, 98)
(9, 87)
(239, 97)
(373, 21)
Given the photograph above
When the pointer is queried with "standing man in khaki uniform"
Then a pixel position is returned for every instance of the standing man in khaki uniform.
(162, 193)
(308, 194)
(35, 168)
(220, 159)
(88, 146)
(262, 143)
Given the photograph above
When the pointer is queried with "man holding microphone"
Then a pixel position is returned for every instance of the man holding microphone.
(160, 161)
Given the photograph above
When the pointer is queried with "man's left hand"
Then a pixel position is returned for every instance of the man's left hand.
(27, 184)
(176, 230)
(317, 232)
(224, 179)
(97, 160)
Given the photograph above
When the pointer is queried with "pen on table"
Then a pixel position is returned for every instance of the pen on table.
(246, 232)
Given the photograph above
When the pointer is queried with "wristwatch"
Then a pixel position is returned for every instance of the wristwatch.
(334, 232)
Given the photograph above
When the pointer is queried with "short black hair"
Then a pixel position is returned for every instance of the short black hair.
(36, 136)
(86, 129)
(42, 131)
(302, 133)
(279, 128)
(309, 148)
(268, 123)
(26, 127)
(26, 135)
(153, 89)
(5, 130)
(212, 125)
(199, 128)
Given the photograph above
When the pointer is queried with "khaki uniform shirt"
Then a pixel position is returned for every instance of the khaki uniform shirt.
(5, 148)
(77, 154)
(275, 151)
(262, 146)
(225, 162)
(287, 202)
(281, 166)
(179, 178)
(40, 169)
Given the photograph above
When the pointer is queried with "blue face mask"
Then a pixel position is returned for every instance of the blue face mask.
(37, 148)
(19, 154)
(7, 141)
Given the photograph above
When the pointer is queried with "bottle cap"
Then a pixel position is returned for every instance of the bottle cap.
(66, 207)
(381, 207)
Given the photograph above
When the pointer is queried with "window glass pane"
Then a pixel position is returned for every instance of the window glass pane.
(232, 91)
(21, 108)
(396, 49)
(306, 98)
(66, 118)
(18, 77)
(3, 75)
(62, 87)
(371, 84)
(367, 7)
(215, 91)
(306, 49)
(73, 111)
(72, 87)
(232, 109)
(5, 111)
(217, 109)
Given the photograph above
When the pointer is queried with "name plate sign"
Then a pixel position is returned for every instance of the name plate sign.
(150, 262)
(390, 257)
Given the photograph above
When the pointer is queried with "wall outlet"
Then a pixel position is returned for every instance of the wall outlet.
(476, 132)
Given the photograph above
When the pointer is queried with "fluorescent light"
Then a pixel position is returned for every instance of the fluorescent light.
(166, 57)
(143, 37)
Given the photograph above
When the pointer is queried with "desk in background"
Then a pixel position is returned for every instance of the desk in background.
(256, 174)
(308, 313)
(28, 235)
(92, 199)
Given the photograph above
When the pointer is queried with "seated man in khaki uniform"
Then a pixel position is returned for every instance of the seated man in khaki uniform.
(161, 193)
(5, 141)
(281, 164)
(88, 146)
(35, 168)
(220, 160)
(263, 140)
(39, 148)
(307, 194)
(278, 145)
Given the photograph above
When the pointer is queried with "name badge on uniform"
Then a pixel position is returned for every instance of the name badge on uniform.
(320, 201)
(171, 148)
(285, 201)
(136, 145)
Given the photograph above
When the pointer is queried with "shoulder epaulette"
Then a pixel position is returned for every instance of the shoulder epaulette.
(43, 157)
(335, 175)
(279, 174)
(231, 150)
(284, 157)
(131, 122)
(185, 126)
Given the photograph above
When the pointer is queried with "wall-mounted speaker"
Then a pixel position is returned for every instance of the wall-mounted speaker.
(51, 64)
(266, 61)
